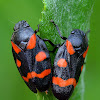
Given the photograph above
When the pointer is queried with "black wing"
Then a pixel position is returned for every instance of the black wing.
(24, 68)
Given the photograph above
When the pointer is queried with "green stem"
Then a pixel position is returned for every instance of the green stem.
(68, 15)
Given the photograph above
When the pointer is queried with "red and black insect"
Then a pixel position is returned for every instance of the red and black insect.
(68, 63)
(31, 57)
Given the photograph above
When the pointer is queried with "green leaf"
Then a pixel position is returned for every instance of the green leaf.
(68, 15)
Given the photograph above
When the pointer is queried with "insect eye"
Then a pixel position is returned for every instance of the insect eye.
(72, 32)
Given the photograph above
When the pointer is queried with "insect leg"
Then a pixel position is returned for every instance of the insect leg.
(54, 45)
(37, 30)
(64, 38)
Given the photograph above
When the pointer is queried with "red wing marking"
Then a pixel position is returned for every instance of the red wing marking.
(40, 56)
(69, 47)
(63, 83)
(84, 54)
(32, 42)
(33, 74)
(81, 67)
(62, 62)
(15, 47)
(18, 63)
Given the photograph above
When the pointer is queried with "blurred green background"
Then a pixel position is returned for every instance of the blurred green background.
(12, 87)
